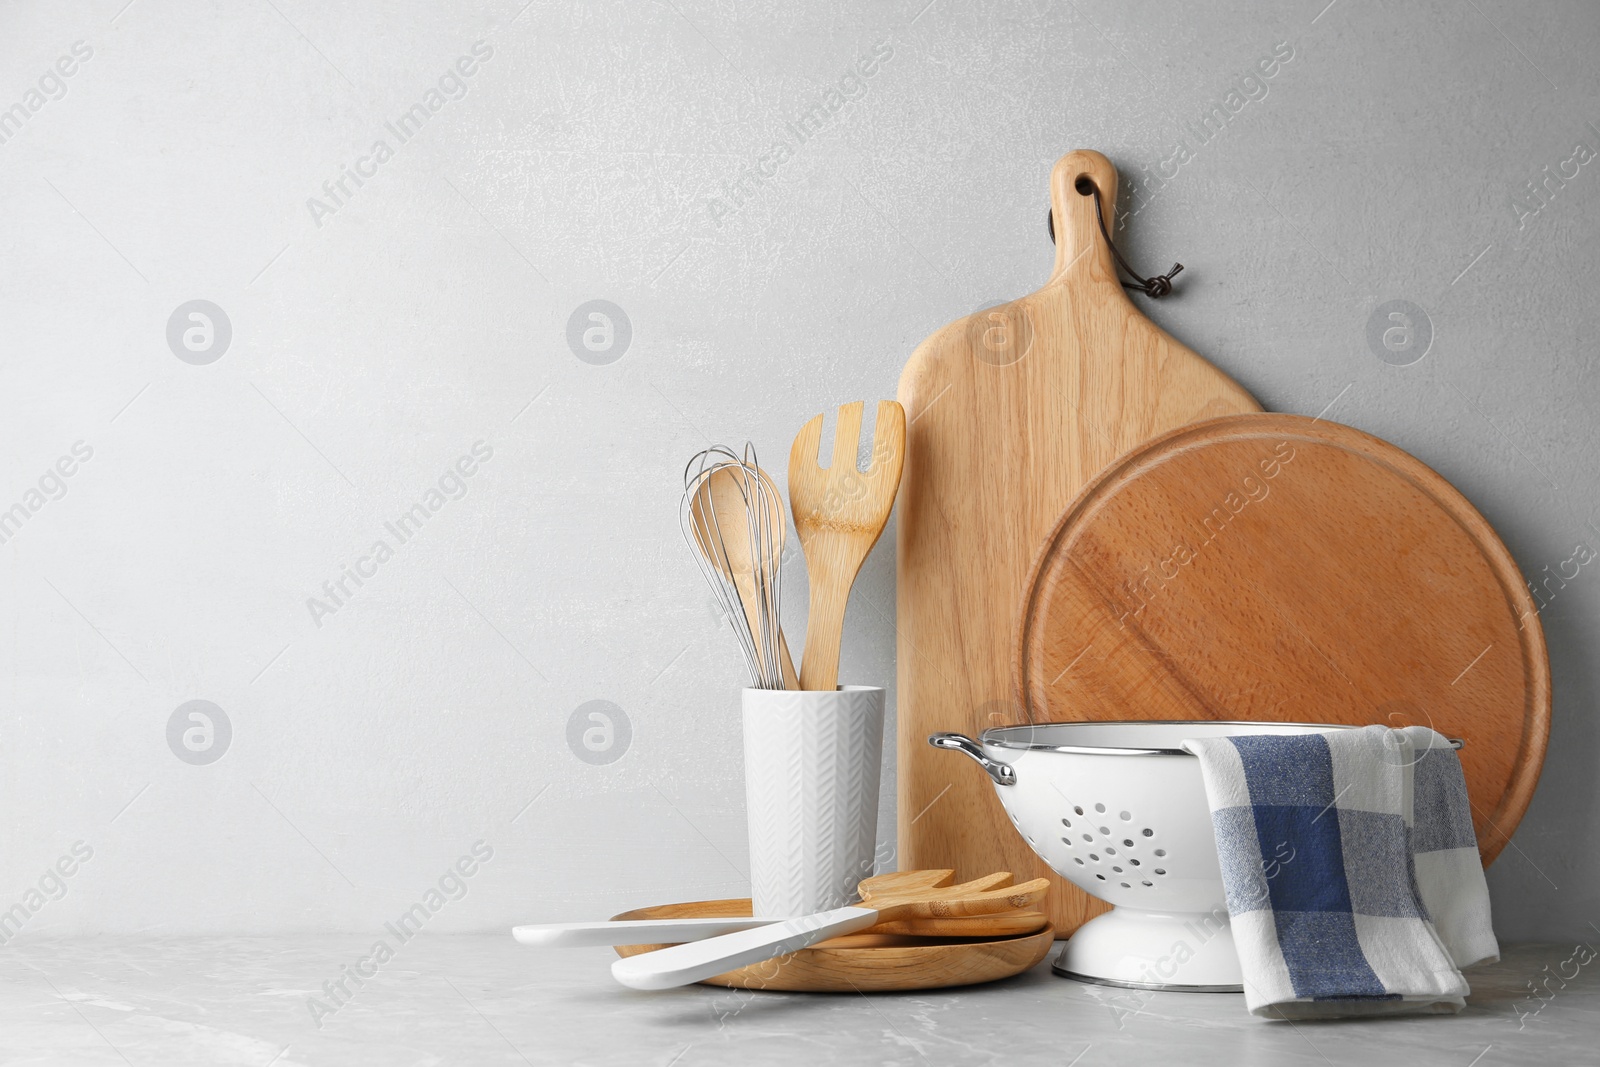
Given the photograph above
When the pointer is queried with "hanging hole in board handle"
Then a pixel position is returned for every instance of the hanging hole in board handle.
(1155, 287)
(1085, 187)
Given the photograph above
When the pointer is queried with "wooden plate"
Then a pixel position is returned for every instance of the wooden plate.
(871, 963)
(1276, 567)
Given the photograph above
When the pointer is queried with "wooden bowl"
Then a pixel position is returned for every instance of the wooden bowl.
(864, 963)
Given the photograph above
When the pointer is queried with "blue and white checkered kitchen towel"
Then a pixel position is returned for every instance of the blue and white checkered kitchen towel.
(1352, 873)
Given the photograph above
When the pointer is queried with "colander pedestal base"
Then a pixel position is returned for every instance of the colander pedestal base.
(1177, 951)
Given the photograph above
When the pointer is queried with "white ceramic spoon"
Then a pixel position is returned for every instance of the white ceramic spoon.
(631, 931)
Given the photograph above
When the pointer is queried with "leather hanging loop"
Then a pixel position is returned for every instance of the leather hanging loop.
(1156, 287)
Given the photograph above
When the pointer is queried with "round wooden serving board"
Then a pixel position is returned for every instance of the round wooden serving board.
(865, 963)
(1277, 567)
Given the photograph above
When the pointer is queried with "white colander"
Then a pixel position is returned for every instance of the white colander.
(1119, 810)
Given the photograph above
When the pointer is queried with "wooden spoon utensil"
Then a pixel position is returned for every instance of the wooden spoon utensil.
(839, 513)
(913, 898)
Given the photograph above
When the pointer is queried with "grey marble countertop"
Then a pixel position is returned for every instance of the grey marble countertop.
(480, 999)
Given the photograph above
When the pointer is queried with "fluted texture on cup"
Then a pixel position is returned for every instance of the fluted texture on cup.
(811, 764)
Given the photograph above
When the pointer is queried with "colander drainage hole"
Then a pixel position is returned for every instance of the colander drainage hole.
(1094, 857)
(1101, 808)
(1067, 841)
(1101, 877)
(1150, 884)
(1124, 816)
(1106, 830)
(1161, 852)
(1117, 869)
(1160, 871)
(1077, 811)
(1110, 851)
(1134, 862)
(1128, 841)
(1125, 885)
(1148, 832)
(1087, 837)
(1066, 822)
(1078, 860)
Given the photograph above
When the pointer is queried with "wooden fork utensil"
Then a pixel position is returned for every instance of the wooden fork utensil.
(839, 512)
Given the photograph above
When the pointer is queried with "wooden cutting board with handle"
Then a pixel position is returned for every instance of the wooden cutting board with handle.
(1009, 413)
(1278, 567)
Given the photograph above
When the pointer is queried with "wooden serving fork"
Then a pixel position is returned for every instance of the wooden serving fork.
(924, 895)
(839, 514)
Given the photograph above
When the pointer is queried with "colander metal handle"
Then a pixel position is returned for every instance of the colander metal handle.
(1000, 772)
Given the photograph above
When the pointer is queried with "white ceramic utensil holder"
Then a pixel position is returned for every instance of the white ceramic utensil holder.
(811, 763)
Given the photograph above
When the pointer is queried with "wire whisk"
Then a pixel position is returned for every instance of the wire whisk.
(733, 520)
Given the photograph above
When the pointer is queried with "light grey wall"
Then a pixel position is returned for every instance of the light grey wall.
(377, 337)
